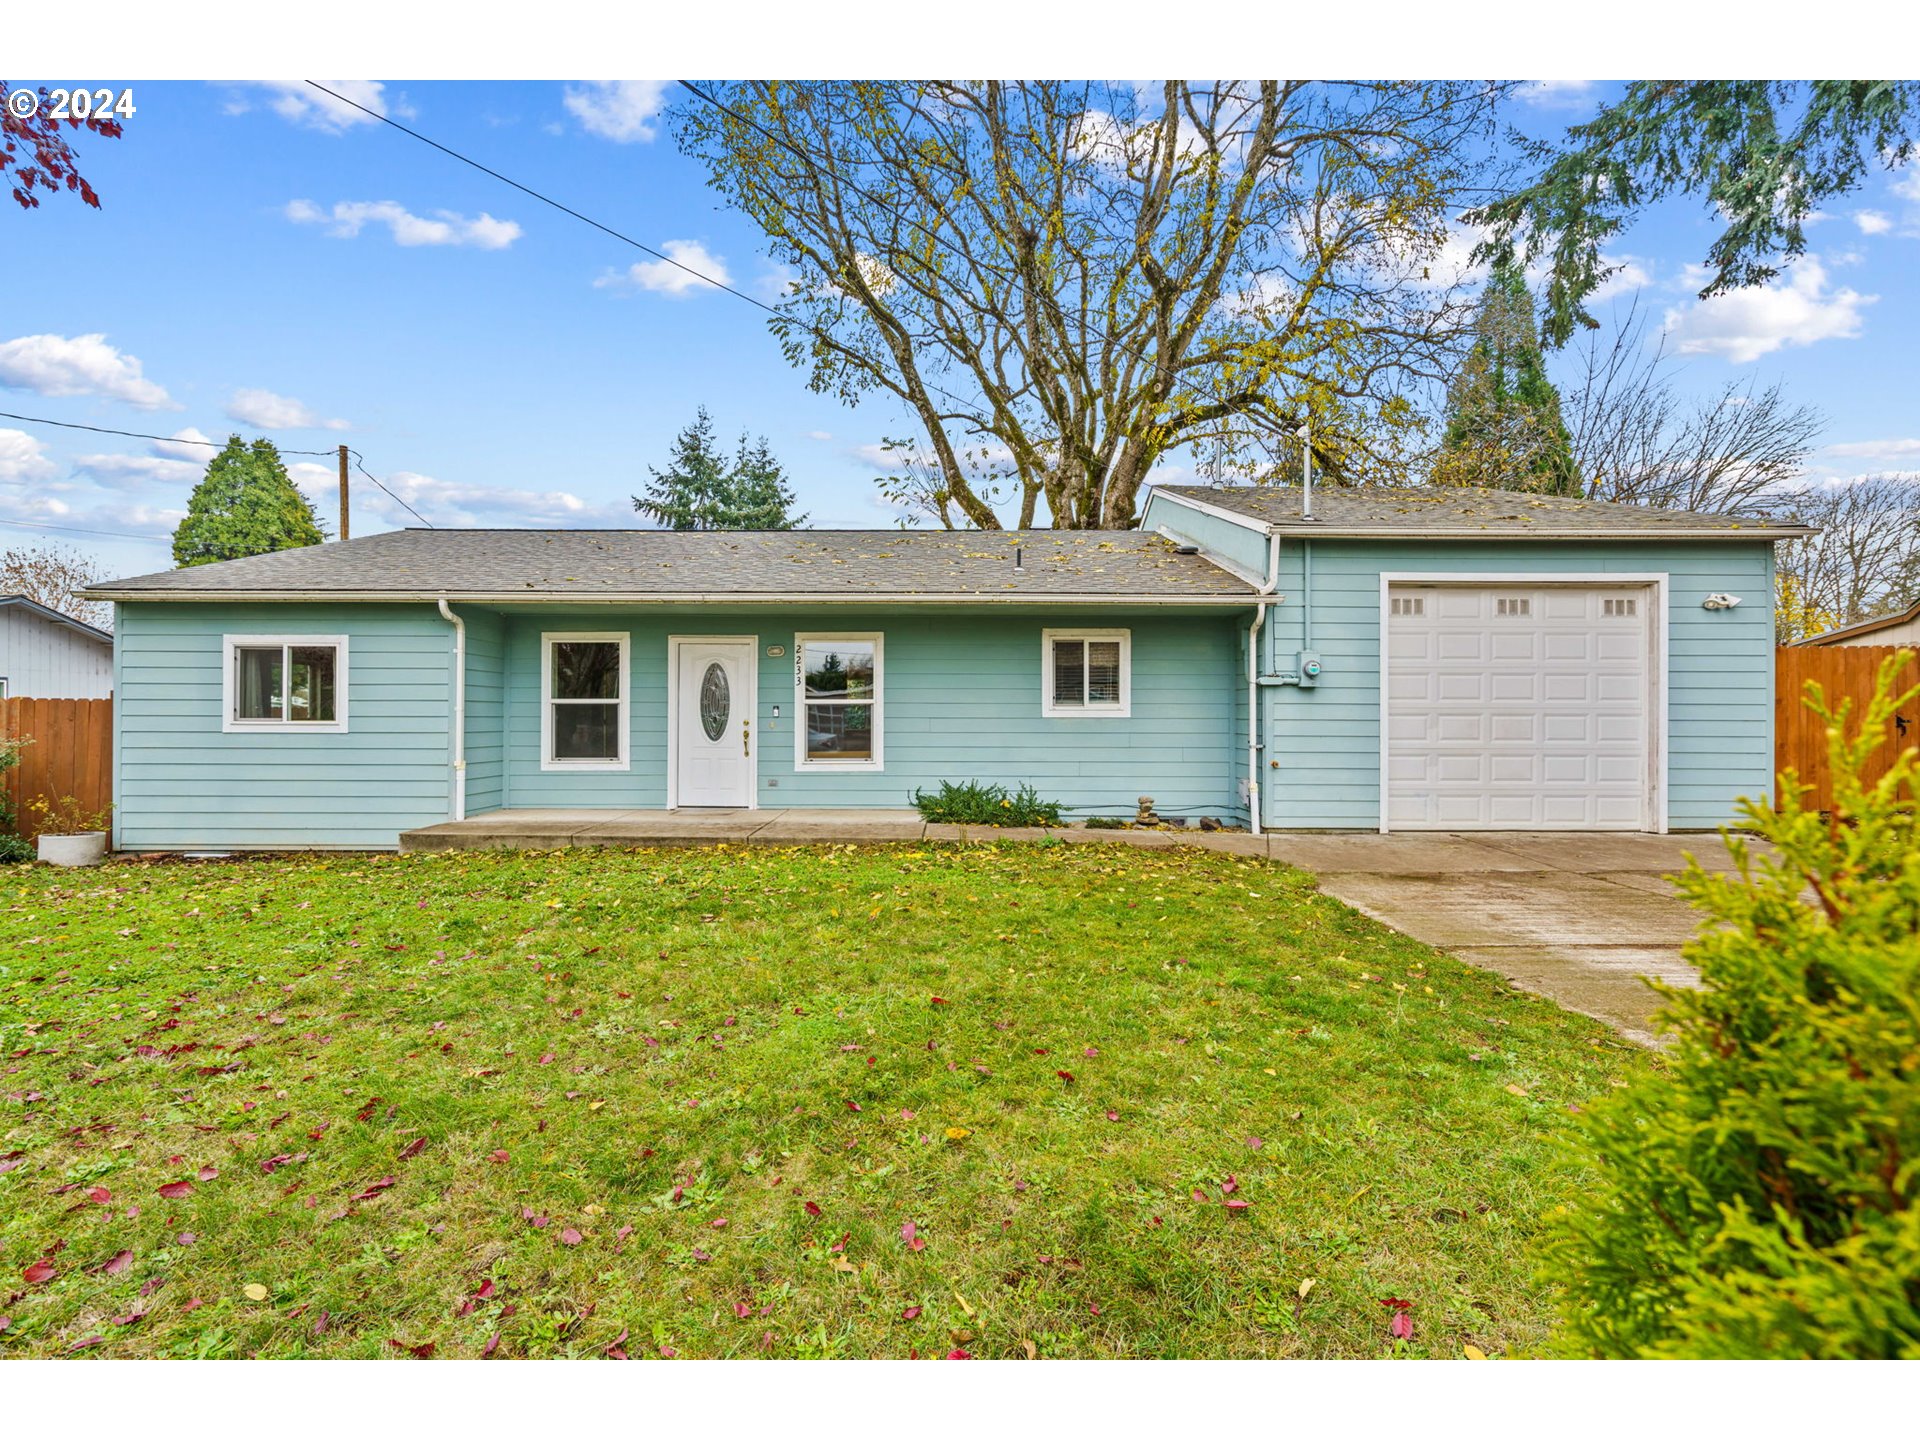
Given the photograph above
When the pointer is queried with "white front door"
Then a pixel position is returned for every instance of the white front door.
(713, 698)
(1519, 707)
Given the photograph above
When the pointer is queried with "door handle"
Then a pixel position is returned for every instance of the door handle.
(743, 740)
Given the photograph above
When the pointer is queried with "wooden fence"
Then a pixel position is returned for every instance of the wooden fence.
(1843, 672)
(71, 754)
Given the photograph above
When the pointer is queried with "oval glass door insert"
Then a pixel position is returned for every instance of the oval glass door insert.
(715, 701)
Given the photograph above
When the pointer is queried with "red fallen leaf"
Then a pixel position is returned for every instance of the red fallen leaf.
(152, 1285)
(613, 1351)
(853, 1105)
(99, 1194)
(38, 1273)
(957, 1354)
(1113, 1114)
(5, 1321)
(841, 1243)
(741, 1309)
(1229, 1185)
(937, 1000)
(1394, 1302)
(119, 1264)
(132, 1317)
(187, 1237)
(1066, 1075)
(1254, 1142)
(914, 1242)
(176, 1190)
(12, 1160)
(1091, 1051)
(912, 1312)
(716, 1224)
(700, 1255)
(418, 1352)
(365, 1112)
(812, 1209)
(1203, 1197)
(320, 1323)
(1238, 1204)
(571, 1236)
(1402, 1326)
(547, 1059)
(492, 1345)
(385, 1182)
(408, 1152)
(485, 1292)
(207, 1172)
(1093, 1307)
(87, 1344)
(193, 1304)
(499, 1157)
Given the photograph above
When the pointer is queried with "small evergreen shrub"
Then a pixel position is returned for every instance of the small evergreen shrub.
(1105, 822)
(13, 849)
(1758, 1199)
(974, 803)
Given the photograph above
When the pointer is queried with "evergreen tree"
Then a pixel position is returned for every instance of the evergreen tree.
(244, 505)
(1504, 426)
(699, 491)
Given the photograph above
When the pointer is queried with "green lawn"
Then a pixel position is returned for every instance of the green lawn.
(686, 1102)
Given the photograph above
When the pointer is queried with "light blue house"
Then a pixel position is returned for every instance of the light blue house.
(1396, 659)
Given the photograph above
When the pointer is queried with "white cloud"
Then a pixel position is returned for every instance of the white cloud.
(1873, 222)
(298, 103)
(118, 472)
(1743, 325)
(1629, 275)
(451, 502)
(187, 444)
(1907, 187)
(664, 278)
(618, 110)
(445, 227)
(1558, 94)
(265, 410)
(22, 458)
(819, 434)
(78, 365)
(1875, 449)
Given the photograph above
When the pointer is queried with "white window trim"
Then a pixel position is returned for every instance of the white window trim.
(1107, 711)
(548, 639)
(800, 642)
(232, 726)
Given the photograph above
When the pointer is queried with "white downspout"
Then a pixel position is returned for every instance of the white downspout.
(458, 799)
(1253, 681)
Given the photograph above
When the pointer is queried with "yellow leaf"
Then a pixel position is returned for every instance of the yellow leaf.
(1516, 1089)
(1033, 1351)
(954, 1132)
(963, 1304)
(255, 1292)
(1474, 1352)
(596, 1210)
(1306, 1287)
(595, 1104)
(841, 1263)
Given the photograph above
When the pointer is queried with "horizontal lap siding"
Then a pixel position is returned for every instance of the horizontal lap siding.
(961, 701)
(486, 709)
(1720, 687)
(184, 784)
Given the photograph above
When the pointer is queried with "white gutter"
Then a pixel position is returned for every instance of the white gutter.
(458, 796)
(1217, 599)
(1253, 682)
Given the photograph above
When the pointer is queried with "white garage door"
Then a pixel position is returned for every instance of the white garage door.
(1518, 708)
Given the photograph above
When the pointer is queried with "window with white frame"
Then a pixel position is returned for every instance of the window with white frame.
(1086, 672)
(285, 682)
(837, 696)
(583, 711)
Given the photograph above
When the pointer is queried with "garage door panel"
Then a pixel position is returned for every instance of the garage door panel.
(1517, 707)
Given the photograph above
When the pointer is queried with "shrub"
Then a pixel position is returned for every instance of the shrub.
(974, 803)
(64, 815)
(15, 851)
(1105, 822)
(10, 749)
(1759, 1200)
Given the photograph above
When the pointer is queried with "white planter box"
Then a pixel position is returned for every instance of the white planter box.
(89, 848)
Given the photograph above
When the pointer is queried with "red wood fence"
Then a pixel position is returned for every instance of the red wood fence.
(71, 754)
(1843, 672)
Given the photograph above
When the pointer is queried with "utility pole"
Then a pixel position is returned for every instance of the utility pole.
(343, 492)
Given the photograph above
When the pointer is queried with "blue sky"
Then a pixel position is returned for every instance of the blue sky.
(266, 264)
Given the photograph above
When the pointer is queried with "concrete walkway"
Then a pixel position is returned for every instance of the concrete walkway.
(1576, 918)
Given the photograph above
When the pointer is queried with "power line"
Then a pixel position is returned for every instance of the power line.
(136, 435)
(395, 498)
(589, 220)
(76, 530)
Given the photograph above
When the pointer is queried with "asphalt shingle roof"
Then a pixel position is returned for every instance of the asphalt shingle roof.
(1414, 512)
(503, 565)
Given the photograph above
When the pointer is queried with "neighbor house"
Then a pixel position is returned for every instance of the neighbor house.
(1397, 659)
(1900, 628)
(51, 656)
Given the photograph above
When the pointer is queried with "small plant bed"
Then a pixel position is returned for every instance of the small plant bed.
(973, 803)
(1000, 1100)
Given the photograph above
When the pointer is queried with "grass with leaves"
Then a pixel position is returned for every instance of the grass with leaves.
(1001, 1100)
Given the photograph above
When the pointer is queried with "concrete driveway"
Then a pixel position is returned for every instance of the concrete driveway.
(1577, 918)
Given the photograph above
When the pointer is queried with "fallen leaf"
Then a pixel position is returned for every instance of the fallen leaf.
(207, 1172)
(812, 1209)
(409, 1151)
(958, 1354)
(176, 1190)
(1066, 1075)
(914, 1242)
(38, 1273)
(1238, 1204)
(119, 1264)
(255, 1291)
(912, 1312)
(963, 1304)
(384, 1183)
(1402, 1326)
(571, 1236)
(418, 1352)
(955, 1132)
(1516, 1090)
(1306, 1288)
(1473, 1352)
(499, 1157)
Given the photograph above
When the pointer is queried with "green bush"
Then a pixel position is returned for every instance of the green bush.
(15, 851)
(1759, 1199)
(974, 803)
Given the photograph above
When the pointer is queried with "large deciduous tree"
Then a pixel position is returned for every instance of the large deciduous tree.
(1076, 278)
(246, 504)
(1862, 562)
(55, 575)
(1504, 422)
(1763, 153)
(35, 148)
